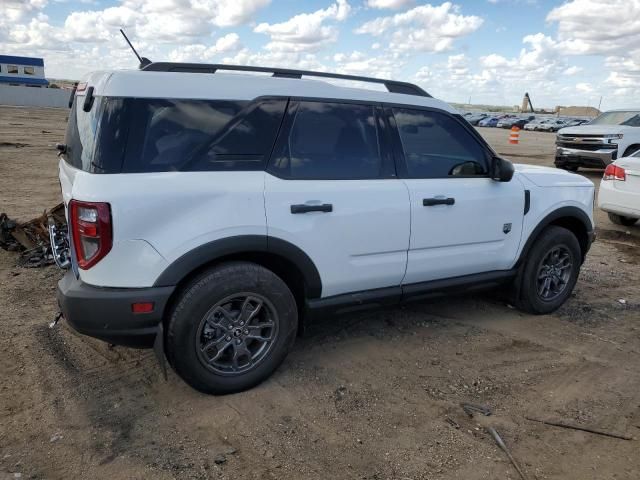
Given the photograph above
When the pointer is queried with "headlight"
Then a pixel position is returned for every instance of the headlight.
(613, 135)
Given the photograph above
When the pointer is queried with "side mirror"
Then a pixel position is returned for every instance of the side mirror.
(501, 170)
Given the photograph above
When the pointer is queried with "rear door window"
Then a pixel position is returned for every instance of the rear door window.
(330, 141)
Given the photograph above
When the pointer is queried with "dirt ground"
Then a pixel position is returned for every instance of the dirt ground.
(365, 396)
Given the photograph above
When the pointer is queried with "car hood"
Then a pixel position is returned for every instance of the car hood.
(551, 177)
(598, 129)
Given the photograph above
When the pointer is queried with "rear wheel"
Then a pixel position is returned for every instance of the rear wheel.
(622, 220)
(231, 328)
(550, 271)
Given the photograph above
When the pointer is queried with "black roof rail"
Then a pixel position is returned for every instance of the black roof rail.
(393, 86)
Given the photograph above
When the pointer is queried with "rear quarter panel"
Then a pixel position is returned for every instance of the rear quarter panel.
(157, 217)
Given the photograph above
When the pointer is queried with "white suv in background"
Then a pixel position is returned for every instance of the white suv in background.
(213, 214)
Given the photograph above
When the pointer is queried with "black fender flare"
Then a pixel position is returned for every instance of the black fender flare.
(217, 249)
(562, 212)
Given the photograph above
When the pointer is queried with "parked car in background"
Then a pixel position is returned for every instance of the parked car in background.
(619, 193)
(535, 124)
(610, 136)
(552, 126)
(520, 123)
(505, 122)
(515, 122)
(474, 119)
(489, 122)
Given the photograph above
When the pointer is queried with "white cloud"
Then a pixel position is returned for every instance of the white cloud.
(300, 60)
(424, 28)
(203, 53)
(160, 20)
(360, 63)
(307, 31)
(393, 4)
(584, 87)
(573, 70)
(18, 10)
(588, 27)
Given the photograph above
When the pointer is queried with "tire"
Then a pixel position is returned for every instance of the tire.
(231, 327)
(622, 220)
(552, 238)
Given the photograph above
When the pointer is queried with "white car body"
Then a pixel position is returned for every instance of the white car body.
(149, 234)
(622, 196)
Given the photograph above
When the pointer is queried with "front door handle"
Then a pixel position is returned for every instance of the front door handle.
(430, 202)
(304, 208)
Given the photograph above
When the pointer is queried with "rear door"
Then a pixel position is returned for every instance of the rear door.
(331, 190)
(462, 221)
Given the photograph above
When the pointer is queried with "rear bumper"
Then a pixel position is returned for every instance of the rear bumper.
(105, 313)
(584, 158)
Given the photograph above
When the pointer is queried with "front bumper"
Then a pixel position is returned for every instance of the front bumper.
(584, 158)
(106, 313)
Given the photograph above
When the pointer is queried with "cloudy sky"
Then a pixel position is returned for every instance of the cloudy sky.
(490, 51)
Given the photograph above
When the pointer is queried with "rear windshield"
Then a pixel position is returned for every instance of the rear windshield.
(134, 135)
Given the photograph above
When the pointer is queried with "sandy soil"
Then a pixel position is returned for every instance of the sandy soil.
(361, 397)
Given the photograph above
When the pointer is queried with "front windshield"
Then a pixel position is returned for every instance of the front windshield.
(631, 119)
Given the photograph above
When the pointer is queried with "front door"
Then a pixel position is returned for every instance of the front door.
(462, 221)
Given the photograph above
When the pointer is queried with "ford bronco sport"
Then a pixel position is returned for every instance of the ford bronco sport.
(212, 214)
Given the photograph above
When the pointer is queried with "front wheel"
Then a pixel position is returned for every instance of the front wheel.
(550, 271)
(622, 220)
(231, 327)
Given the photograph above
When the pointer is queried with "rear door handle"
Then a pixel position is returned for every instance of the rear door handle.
(304, 208)
(430, 202)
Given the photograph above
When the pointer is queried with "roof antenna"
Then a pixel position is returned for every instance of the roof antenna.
(144, 61)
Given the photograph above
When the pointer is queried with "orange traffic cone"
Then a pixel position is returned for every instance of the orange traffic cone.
(514, 136)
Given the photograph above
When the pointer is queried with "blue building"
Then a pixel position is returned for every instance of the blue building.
(23, 71)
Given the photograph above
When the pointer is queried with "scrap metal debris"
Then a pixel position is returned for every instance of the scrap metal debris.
(32, 238)
(470, 409)
(578, 427)
(504, 448)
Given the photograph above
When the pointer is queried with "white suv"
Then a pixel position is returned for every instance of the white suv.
(213, 214)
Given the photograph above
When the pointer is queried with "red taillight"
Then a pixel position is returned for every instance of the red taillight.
(91, 231)
(614, 172)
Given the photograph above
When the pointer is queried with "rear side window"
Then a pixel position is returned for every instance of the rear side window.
(81, 134)
(436, 145)
(136, 135)
(333, 141)
(200, 135)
